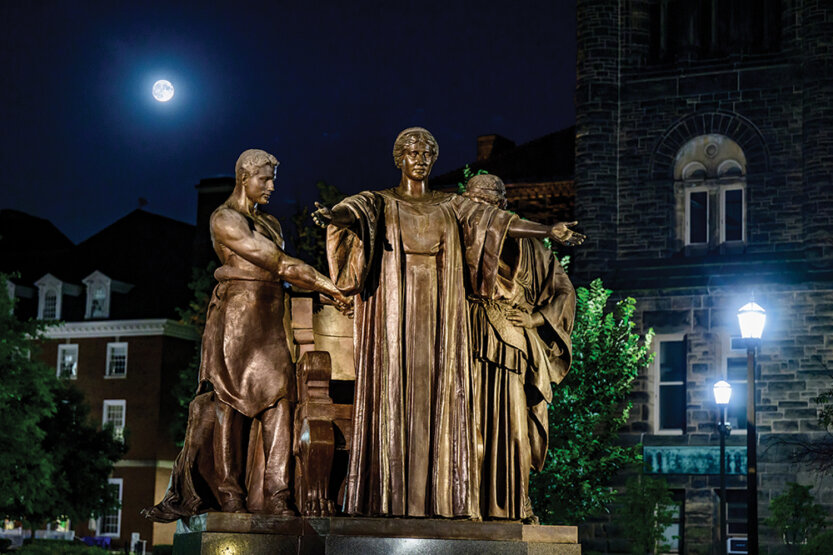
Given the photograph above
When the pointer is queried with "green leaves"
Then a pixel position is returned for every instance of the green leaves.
(646, 510)
(796, 515)
(467, 175)
(588, 409)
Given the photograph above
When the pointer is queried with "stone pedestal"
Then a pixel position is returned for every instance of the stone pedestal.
(248, 534)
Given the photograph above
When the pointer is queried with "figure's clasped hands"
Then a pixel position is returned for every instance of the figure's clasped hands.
(562, 234)
(343, 304)
(322, 216)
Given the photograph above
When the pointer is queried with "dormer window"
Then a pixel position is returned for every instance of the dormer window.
(99, 292)
(50, 291)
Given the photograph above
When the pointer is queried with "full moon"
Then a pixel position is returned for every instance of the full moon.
(163, 91)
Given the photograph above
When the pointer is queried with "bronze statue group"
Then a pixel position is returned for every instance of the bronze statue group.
(462, 321)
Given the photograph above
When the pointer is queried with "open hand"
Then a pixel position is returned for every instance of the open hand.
(563, 235)
(322, 216)
(520, 318)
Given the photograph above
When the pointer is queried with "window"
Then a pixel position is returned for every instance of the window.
(114, 413)
(670, 369)
(116, 360)
(68, 361)
(735, 512)
(710, 181)
(50, 294)
(673, 535)
(702, 29)
(110, 523)
(736, 375)
(98, 295)
(50, 305)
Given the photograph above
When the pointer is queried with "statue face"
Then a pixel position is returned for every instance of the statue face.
(418, 160)
(259, 186)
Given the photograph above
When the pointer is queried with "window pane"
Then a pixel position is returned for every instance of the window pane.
(118, 361)
(733, 218)
(698, 217)
(736, 412)
(736, 371)
(50, 306)
(672, 407)
(672, 361)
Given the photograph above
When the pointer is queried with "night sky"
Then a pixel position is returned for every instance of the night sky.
(325, 86)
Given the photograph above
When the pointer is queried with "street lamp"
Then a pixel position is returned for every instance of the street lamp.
(751, 318)
(722, 394)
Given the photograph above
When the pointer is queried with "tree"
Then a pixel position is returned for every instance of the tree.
(647, 510)
(588, 409)
(310, 241)
(82, 458)
(53, 462)
(795, 514)
(201, 284)
(26, 400)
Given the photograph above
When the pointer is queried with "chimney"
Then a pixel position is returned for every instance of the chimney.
(211, 193)
(491, 146)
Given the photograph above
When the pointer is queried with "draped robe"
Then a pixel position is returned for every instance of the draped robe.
(516, 367)
(411, 263)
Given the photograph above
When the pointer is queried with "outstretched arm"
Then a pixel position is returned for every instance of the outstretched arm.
(560, 232)
(231, 229)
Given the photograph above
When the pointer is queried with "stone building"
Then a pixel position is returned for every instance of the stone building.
(704, 154)
(120, 341)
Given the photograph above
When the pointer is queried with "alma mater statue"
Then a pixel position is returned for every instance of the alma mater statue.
(412, 255)
(245, 365)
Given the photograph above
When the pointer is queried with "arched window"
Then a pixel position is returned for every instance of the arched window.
(710, 182)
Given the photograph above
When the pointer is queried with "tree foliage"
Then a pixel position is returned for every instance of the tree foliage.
(796, 515)
(53, 462)
(201, 285)
(588, 409)
(646, 510)
(309, 240)
(25, 401)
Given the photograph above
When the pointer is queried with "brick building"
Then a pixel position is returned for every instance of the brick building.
(704, 154)
(120, 343)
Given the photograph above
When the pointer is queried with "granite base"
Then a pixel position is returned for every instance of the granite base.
(249, 534)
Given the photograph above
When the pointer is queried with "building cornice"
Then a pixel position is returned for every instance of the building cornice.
(122, 328)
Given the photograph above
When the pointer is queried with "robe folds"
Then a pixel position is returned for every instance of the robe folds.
(411, 264)
(516, 367)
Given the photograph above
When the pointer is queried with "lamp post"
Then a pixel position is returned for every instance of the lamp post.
(751, 318)
(722, 394)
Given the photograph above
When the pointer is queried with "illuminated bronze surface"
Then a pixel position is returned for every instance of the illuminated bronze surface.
(412, 256)
(239, 439)
(521, 345)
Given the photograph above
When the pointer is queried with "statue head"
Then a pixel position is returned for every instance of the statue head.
(487, 189)
(255, 174)
(409, 137)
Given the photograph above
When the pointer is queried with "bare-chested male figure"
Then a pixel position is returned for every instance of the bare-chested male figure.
(245, 356)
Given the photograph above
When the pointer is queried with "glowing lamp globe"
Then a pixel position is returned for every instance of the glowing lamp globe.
(751, 318)
(163, 90)
(722, 392)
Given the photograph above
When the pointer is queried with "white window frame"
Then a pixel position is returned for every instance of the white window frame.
(94, 281)
(688, 191)
(722, 191)
(727, 353)
(655, 372)
(62, 348)
(49, 284)
(100, 522)
(118, 432)
(110, 348)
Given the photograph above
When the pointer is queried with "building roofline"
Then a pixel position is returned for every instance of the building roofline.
(122, 328)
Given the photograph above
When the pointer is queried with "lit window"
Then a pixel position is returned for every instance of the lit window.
(670, 368)
(116, 360)
(110, 523)
(68, 361)
(673, 534)
(114, 414)
(98, 295)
